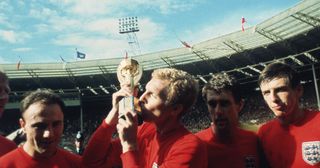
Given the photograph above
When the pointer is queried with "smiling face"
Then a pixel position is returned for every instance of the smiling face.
(223, 110)
(43, 125)
(281, 98)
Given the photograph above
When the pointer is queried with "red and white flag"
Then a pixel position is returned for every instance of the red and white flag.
(185, 44)
(18, 65)
(243, 20)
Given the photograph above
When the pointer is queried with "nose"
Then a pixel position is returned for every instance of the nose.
(218, 109)
(274, 97)
(142, 97)
(48, 133)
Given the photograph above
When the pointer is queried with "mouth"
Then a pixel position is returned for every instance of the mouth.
(278, 108)
(221, 123)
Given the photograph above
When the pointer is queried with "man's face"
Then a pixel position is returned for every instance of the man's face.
(280, 97)
(4, 95)
(223, 110)
(152, 101)
(43, 125)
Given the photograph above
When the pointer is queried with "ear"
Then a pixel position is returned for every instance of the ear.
(22, 124)
(240, 105)
(177, 109)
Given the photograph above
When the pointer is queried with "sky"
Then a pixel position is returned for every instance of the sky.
(38, 31)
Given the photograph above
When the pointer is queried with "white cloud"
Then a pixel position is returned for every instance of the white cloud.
(24, 49)
(103, 26)
(13, 37)
(94, 47)
(42, 13)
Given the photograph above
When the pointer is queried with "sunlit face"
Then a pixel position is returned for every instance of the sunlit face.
(43, 125)
(152, 104)
(223, 110)
(4, 95)
(281, 98)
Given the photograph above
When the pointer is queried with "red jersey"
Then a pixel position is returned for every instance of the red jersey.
(296, 145)
(6, 145)
(238, 153)
(178, 148)
(18, 158)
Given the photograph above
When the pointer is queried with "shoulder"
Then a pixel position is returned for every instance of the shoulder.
(6, 145)
(11, 157)
(146, 129)
(205, 134)
(268, 126)
(67, 154)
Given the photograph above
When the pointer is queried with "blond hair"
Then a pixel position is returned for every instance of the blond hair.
(182, 89)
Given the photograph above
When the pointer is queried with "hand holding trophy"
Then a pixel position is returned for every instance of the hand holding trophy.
(129, 73)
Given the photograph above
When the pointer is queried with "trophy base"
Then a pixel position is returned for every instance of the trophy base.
(130, 103)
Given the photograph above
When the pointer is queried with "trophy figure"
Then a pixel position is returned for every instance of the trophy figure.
(129, 73)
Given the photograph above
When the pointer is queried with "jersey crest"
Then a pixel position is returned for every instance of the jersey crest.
(311, 152)
(250, 162)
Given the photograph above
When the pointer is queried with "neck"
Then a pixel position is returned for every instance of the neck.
(295, 117)
(167, 126)
(35, 154)
(226, 135)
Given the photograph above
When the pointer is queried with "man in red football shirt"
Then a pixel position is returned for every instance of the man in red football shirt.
(161, 141)
(228, 145)
(293, 138)
(42, 121)
(5, 144)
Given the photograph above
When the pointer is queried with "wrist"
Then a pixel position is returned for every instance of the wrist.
(112, 117)
(128, 147)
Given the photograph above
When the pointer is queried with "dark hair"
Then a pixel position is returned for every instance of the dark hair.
(45, 96)
(279, 70)
(222, 82)
(3, 77)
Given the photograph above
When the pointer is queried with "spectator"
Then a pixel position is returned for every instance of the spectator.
(228, 145)
(79, 143)
(293, 138)
(5, 144)
(42, 121)
(161, 141)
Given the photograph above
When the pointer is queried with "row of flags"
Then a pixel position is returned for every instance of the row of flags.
(79, 55)
(82, 55)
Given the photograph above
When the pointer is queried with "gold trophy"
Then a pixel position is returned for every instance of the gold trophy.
(129, 73)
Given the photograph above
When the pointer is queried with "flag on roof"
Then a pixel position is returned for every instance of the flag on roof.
(243, 20)
(63, 60)
(81, 55)
(18, 64)
(126, 57)
(185, 44)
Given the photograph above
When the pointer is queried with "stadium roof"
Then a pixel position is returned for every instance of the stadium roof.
(292, 36)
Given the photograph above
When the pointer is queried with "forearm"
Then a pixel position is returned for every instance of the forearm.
(96, 152)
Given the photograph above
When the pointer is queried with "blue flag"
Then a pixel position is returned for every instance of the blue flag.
(81, 55)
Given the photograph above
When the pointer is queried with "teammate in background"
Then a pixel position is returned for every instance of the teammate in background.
(228, 145)
(42, 121)
(79, 143)
(293, 138)
(5, 144)
(161, 141)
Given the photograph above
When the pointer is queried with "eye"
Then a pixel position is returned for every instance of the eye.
(265, 93)
(57, 124)
(212, 103)
(39, 126)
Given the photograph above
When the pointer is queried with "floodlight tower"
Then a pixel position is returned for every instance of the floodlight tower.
(129, 25)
